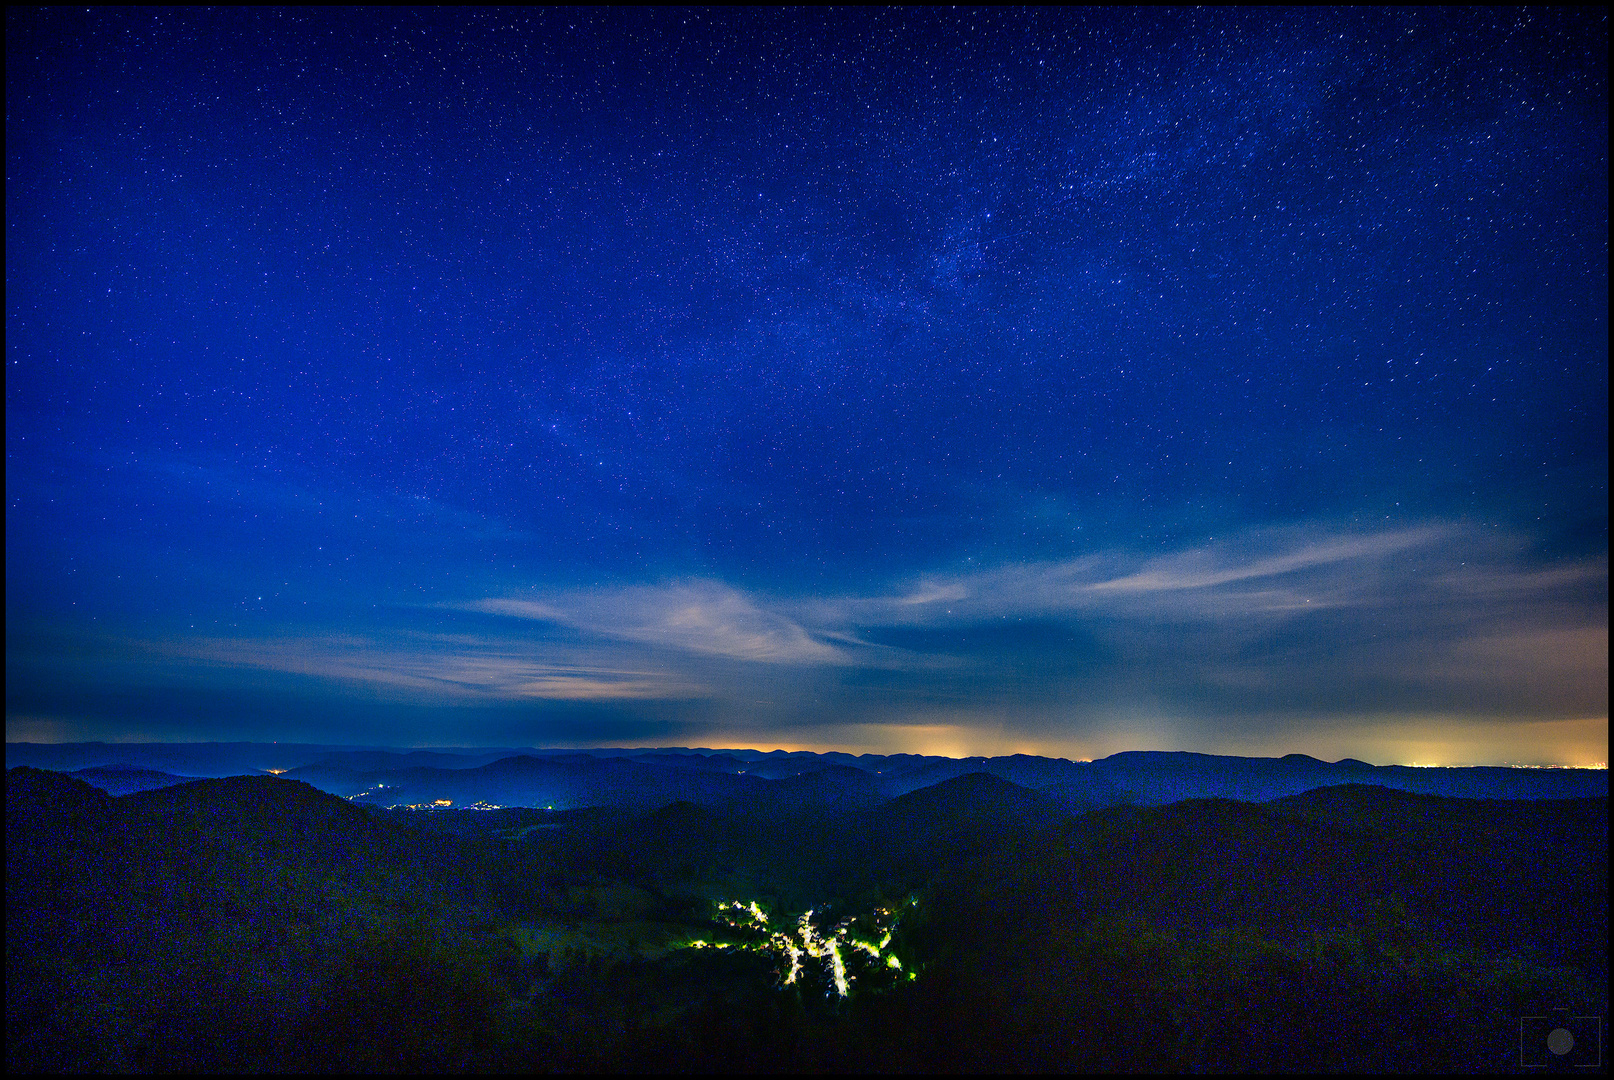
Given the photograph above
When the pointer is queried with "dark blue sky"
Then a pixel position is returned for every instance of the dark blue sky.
(965, 381)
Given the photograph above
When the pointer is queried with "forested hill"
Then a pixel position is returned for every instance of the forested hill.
(202, 915)
(256, 923)
(85, 869)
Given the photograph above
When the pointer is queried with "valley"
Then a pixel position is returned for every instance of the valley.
(969, 924)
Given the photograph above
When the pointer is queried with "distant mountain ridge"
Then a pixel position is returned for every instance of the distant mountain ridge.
(116, 781)
(647, 779)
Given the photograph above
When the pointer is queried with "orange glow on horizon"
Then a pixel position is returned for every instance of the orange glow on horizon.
(1451, 742)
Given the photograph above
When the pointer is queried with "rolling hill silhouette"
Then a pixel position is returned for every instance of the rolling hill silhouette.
(649, 778)
(82, 866)
(255, 921)
(125, 781)
(1471, 872)
(952, 821)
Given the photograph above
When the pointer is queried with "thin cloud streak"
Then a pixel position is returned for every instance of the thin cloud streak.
(437, 666)
(703, 617)
(1253, 576)
(1270, 573)
(1191, 572)
(1254, 625)
(1212, 611)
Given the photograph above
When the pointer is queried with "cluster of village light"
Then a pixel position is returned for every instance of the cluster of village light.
(806, 942)
(435, 804)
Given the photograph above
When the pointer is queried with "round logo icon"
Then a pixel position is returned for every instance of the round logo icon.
(1560, 1041)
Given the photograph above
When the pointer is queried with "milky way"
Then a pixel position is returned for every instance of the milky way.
(951, 381)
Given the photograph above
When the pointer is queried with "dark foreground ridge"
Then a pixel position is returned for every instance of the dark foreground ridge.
(799, 921)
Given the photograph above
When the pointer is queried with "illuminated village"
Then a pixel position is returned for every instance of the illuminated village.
(842, 954)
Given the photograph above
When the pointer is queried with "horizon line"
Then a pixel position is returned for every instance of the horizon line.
(707, 750)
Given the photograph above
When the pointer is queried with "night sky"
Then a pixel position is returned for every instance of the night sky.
(941, 381)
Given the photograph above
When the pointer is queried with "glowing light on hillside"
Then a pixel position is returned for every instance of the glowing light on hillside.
(806, 942)
(792, 951)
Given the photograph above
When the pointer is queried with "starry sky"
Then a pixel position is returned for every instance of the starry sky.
(948, 381)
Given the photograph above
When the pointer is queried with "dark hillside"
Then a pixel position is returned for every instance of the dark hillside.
(726, 763)
(572, 782)
(966, 798)
(192, 857)
(1266, 937)
(955, 822)
(1487, 872)
(375, 761)
(1158, 777)
(37, 798)
(1089, 791)
(832, 789)
(254, 823)
(257, 923)
(65, 860)
(1380, 809)
(125, 781)
(212, 918)
(1471, 873)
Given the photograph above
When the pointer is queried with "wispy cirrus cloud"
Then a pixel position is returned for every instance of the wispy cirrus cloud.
(1441, 582)
(455, 667)
(703, 617)
(1203, 569)
(1261, 623)
(1255, 574)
